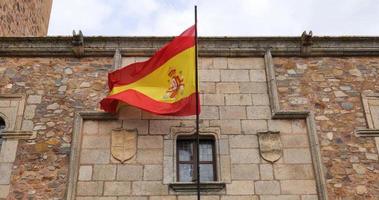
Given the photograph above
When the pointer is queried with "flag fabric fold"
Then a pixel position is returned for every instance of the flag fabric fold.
(164, 84)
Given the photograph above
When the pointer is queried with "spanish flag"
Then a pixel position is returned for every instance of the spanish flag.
(164, 84)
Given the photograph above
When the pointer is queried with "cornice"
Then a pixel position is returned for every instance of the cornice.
(208, 46)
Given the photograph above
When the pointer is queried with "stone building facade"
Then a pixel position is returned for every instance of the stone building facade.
(289, 120)
(24, 17)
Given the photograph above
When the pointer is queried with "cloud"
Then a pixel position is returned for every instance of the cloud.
(215, 17)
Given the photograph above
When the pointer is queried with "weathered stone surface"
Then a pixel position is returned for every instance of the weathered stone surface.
(291, 171)
(34, 99)
(240, 188)
(244, 141)
(104, 172)
(117, 188)
(85, 173)
(238, 99)
(150, 142)
(267, 187)
(129, 172)
(89, 188)
(149, 188)
(95, 156)
(280, 197)
(231, 127)
(297, 155)
(258, 112)
(245, 172)
(152, 172)
(4, 190)
(96, 142)
(292, 187)
(232, 112)
(244, 156)
(150, 156)
(266, 171)
(5, 171)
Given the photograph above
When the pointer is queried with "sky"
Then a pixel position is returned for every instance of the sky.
(215, 17)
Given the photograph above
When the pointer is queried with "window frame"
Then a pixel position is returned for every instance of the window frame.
(193, 162)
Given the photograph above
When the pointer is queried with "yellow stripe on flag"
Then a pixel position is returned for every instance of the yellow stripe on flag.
(171, 82)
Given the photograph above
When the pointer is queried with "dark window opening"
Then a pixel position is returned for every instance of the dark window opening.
(2, 127)
(186, 159)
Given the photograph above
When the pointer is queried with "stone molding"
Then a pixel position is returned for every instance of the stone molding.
(308, 116)
(208, 46)
(192, 187)
(75, 147)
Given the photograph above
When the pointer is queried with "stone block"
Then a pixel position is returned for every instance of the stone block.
(267, 187)
(96, 198)
(168, 169)
(205, 63)
(266, 172)
(298, 155)
(128, 60)
(234, 75)
(27, 125)
(220, 63)
(5, 103)
(240, 188)
(238, 99)
(8, 151)
(209, 112)
(228, 197)
(292, 187)
(168, 149)
(106, 126)
(224, 146)
(227, 126)
(150, 142)
(225, 168)
(4, 191)
(258, 112)
(299, 127)
(245, 172)
(283, 171)
(226, 88)
(117, 188)
(258, 75)
(85, 173)
(309, 197)
(5, 171)
(129, 113)
(207, 87)
(284, 126)
(89, 188)
(104, 172)
(253, 126)
(153, 173)
(243, 141)
(129, 172)
(95, 156)
(253, 87)
(232, 112)
(96, 142)
(279, 197)
(90, 127)
(149, 188)
(162, 127)
(133, 198)
(142, 126)
(244, 156)
(162, 197)
(291, 141)
(213, 99)
(245, 63)
(29, 111)
(150, 156)
(34, 99)
(260, 99)
(209, 75)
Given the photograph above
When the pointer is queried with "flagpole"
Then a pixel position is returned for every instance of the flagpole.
(197, 113)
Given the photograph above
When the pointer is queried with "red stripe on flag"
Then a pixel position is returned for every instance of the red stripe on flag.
(183, 107)
(136, 71)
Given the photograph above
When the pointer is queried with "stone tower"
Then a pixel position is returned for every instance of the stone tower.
(24, 17)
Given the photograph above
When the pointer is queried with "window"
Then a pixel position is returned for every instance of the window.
(2, 127)
(186, 159)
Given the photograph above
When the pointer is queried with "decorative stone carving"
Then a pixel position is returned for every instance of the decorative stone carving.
(270, 145)
(123, 144)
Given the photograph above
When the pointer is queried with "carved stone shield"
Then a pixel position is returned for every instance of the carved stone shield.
(270, 146)
(123, 144)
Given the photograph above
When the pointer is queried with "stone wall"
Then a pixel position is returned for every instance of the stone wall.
(235, 102)
(24, 17)
(332, 88)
